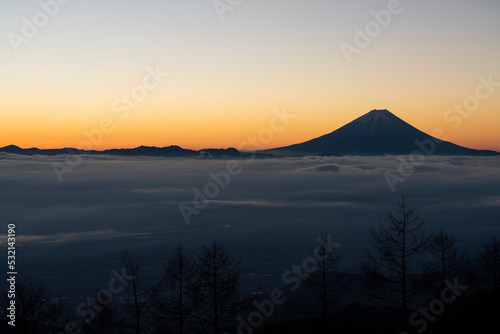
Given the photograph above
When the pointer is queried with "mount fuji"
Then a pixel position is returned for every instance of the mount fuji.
(376, 133)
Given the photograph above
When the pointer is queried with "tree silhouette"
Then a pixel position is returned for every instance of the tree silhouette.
(172, 307)
(388, 267)
(327, 279)
(137, 307)
(35, 313)
(215, 290)
(106, 321)
(489, 262)
(447, 263)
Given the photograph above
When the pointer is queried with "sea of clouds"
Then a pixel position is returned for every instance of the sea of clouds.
(70, 234)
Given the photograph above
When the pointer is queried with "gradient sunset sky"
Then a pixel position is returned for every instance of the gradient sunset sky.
(227, 76)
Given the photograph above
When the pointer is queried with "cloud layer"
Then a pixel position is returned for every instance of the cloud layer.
(75, 230)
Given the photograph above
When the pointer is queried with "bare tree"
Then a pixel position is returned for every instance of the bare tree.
(327, 278)
(388, 267)
(215, 290)
(105, 321)
(172, 305)
(138, 305)
(489, 262)
(447, 263)
(35, 312)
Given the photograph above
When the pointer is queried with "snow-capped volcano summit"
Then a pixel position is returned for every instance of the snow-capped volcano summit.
(375, 133)
(376, 121)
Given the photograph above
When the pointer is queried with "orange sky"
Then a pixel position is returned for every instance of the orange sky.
(226, 77)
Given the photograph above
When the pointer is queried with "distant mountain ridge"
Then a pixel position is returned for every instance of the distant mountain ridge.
(378, 132)
(169, 152)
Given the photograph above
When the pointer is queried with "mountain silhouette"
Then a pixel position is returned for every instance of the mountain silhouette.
(150, 151)
(376, 133)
